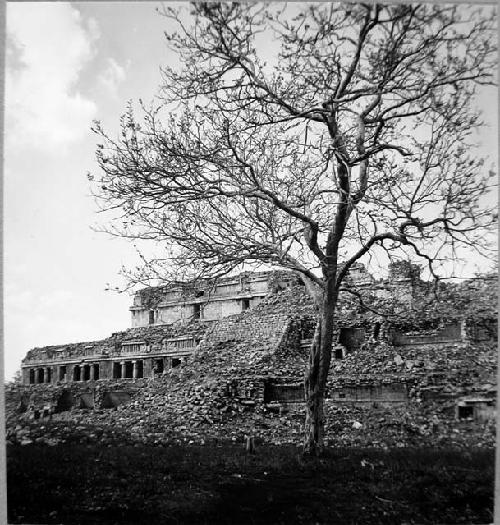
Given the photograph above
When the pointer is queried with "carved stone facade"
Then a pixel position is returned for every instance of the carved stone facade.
(243, 373)
(133, 354)
(168, 324)
(204, 300)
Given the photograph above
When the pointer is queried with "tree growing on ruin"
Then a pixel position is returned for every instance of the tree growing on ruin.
(307, 138)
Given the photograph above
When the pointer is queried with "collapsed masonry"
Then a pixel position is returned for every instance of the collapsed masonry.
(209, 375)
(168, 324)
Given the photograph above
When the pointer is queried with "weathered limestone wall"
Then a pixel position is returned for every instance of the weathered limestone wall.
(245, 377)
(134, 353)
(401, 400)
(205, 300)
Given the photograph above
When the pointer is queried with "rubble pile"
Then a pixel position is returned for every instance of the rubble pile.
(460, 363)
(245, 378)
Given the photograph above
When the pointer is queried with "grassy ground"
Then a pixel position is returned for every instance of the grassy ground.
(88, 484)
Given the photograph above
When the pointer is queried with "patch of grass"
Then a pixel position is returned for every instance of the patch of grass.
(80, 484)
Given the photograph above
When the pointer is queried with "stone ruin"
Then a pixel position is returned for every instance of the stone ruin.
(221, 360)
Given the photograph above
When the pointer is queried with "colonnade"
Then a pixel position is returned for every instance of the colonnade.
(40, 375)
(119, 369)
(133, 369)
(86, 372)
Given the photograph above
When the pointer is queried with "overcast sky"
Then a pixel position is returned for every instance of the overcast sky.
(66, 65)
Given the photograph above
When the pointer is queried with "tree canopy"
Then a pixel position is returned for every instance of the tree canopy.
(354, 132)
(308, 137)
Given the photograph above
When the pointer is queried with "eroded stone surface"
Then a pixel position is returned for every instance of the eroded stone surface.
(394, 383)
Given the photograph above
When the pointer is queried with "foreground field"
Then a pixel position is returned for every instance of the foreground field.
(88, 484)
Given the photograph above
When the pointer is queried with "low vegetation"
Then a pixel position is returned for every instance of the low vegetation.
(91, 484)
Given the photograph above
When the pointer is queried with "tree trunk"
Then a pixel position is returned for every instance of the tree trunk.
(315, 380)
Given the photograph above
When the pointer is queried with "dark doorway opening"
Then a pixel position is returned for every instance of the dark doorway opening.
(281, 393)
(158, 366)
(351, 338)
(129, 370)
(117, 371)
(176, 362)
(465, 412)
(339, 352)
(65, 401)
(197, 311)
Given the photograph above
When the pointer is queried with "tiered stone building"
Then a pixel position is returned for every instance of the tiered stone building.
(160, 337)
(228, 358)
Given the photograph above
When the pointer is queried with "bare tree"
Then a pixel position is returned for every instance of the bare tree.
(307, 137)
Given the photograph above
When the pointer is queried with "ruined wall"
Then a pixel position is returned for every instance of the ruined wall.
(204, 299)
(134, 353)
(435, 385)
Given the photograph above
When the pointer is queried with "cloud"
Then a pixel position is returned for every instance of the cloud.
(112, 76)
(47, 47)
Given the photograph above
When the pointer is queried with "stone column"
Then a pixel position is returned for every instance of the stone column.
(134, 374)
(46, 375)
(147, 370)
(106, 369)
(122, 363)
(91, 371)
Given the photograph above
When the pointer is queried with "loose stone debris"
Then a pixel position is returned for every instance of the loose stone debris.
(429, 380)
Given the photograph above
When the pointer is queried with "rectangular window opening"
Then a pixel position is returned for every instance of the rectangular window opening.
(129, 370)
(158, 366)
(117, 371)
(197, 311)
(465, 412)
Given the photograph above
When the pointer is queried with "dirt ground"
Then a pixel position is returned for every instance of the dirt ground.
(92, 484)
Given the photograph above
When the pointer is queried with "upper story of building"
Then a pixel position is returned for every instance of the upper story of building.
(206, 300)
(211, 300)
